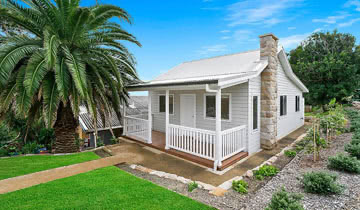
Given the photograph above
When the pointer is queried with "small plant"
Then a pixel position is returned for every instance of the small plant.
(192, 186)
(99, 142)
(30, 148)
(240, 186)
(115, 140)
(265, 171)
(285, 200)
(342, 162)
(353, 150)
(321, 183)
(290, 153)
(3, 152)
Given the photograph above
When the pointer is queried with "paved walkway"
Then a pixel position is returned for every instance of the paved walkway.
(21, 182)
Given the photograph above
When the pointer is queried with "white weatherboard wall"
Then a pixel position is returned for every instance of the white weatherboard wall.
(254, 135)
(239, 108)
(293, 120)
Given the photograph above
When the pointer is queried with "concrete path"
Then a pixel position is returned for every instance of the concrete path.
(21, 182)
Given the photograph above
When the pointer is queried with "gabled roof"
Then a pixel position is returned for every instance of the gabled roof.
(221, 70)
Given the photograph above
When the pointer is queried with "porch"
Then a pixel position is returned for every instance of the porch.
(193, 144)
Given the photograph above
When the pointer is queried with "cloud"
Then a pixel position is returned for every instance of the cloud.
(293, 40)
(213, 49)
(225, 31)
(242, 35)
(259, 12)
(348, 23)
(331, 19)
(355, 3)
(291, 28)
(225, 37)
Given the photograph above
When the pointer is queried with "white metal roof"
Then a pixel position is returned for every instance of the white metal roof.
(227, 65)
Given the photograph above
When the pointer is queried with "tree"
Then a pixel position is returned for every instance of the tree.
(327, 64)
(67, 55)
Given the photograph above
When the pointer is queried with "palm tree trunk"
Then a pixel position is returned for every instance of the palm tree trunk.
(65, 128)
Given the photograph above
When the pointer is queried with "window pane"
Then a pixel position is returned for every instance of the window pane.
(255, 112)
(171, 104)
(281, 106)
(210, 106)
(285, 105)
(162, 104)
(225, 107)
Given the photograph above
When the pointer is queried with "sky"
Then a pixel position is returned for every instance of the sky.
(175, 31)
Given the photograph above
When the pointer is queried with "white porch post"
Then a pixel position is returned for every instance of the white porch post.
(218, 141)
(124, 120)
(149, 119)
(167, 120)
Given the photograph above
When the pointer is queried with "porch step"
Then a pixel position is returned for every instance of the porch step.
(232, 160)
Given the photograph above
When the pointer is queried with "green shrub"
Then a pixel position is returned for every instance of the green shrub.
(265, 171)
(342, 162)
(30, 148)
(290, 153)
(3, 152)
(282, 200)
(99, 142)
(192, 186)
(321, 183)
(115, 140)
(353, 150)
(240, 186)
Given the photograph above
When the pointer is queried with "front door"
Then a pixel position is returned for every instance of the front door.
(187, 110)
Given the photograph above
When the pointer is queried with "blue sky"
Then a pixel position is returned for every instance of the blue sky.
(174, 31)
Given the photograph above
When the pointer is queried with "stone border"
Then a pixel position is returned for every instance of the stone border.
(61, 154)
(250, 173)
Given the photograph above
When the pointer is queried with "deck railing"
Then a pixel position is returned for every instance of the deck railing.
(136, 127)
(195, 141)
(233, 141)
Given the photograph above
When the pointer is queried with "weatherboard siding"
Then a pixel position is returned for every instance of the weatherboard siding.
(239, 108)
(254, 135)
(293, 120)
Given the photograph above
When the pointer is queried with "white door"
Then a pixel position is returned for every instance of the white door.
(187, 110)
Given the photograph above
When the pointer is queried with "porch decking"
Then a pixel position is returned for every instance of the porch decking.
(159, 142)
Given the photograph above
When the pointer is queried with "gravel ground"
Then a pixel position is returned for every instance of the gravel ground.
(303, 163)
(349, 200)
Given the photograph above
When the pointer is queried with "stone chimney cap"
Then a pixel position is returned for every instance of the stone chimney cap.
(269, 34)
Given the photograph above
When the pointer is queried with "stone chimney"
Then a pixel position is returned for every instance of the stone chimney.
(269, 90)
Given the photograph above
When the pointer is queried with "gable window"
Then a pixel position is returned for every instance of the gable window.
(210, 106)
(255, 112)
(297, 103)
(162, 102)
(283, 105)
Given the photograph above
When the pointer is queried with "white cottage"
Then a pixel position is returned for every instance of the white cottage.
(218, 110)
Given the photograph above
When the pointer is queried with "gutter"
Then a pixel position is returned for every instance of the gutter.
(201, 82)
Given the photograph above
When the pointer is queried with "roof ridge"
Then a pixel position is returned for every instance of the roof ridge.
(237, 53)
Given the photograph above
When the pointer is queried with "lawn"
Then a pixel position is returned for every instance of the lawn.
(17, 166)
(105, 188)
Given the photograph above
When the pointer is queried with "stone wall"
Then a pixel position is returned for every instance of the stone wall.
(269, 90)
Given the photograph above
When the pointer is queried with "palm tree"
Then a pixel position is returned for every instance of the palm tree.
(66, 55)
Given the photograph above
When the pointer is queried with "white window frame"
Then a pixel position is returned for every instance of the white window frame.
(230, 106)
(165, 104)
(287, 103)
(297, 97)
(258, 114)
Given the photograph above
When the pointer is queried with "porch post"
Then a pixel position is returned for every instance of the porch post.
(218, 141)
(149, 118)
(124, 120)
(167, 120)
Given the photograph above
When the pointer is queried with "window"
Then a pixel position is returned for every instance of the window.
(210, 106)
(255, 112)
(297, 103)
(283, 104)
(162, 101)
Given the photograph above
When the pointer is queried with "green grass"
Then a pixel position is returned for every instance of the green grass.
(105, 188)
(17, 166)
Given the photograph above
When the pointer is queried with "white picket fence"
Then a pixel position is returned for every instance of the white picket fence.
(136, 127)
(195, 141)
(233, 141)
